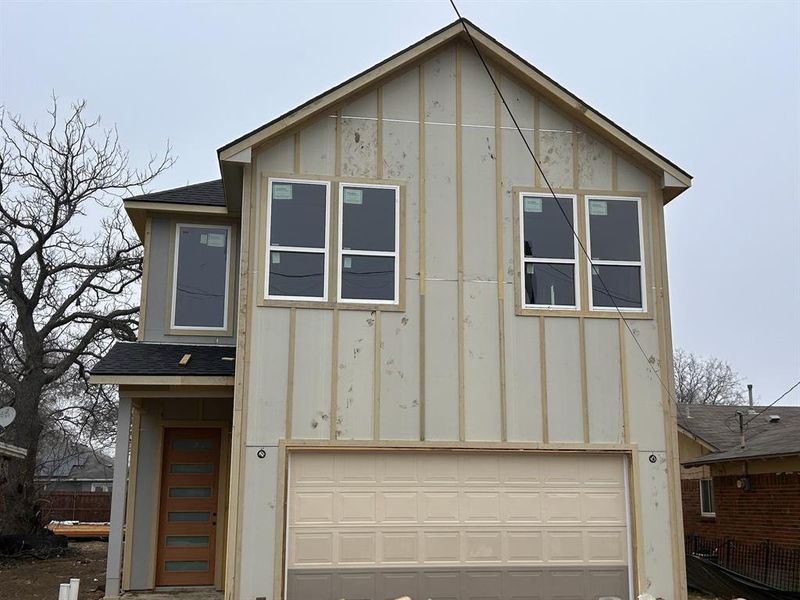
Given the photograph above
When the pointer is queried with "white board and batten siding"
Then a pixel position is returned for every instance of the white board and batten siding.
(541, 379)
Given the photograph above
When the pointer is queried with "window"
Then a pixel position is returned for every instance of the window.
(707, 498)
(615, 245)
(297, 239)
(548, 250)
(200, 278)
(369, 243)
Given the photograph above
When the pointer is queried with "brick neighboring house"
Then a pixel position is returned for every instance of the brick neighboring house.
(749, 494)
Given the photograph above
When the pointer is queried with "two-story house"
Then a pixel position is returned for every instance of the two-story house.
(375, 362)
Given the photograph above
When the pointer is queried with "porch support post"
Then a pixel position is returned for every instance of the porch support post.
(118, 493)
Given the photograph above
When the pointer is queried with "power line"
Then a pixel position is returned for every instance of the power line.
(771, 404)
(555, 197)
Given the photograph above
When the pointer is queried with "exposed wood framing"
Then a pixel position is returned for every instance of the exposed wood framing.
(460, 250)
(501, 313)
(421, 218)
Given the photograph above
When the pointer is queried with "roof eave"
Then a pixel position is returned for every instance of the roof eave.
(710, 459)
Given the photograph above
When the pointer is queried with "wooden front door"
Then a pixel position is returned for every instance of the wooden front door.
(187, 528)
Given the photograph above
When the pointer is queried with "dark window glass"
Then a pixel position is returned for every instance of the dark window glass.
(368, 277)
(191, 468)
(296, 274)
(706, 496)
(200, 280)
(187, 541)
(614, 229)
(190, 492)
(368, 218)
(188, 516)
(190, 444)
(185, 565)
(623, 283)
(546, 233)
(551, 284)
(298, 214)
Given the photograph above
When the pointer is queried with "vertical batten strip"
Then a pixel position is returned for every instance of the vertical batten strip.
(543, 381)
(460, 250)
(296, 153)
(613, 171)
(421, 222)
(379, 145)
(332, 289)
(584, 387)
(290, 372)
(623, 375)
(145, 276)
(576, 177)
(537, 177)
(376, 380)
(498, 181)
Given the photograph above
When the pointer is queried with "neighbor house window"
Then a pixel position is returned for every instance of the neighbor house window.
(548, 251)
(615, 246)
(707, 498)
(201, 275)
(369, 243)
(297, 239)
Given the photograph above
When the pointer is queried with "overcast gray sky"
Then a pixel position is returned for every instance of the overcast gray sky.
(714, 86)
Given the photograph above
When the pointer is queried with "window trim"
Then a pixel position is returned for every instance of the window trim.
(713, 512)
(341, 251)
(268, 248)
(175, 254)
(566, 261)
(620, 263)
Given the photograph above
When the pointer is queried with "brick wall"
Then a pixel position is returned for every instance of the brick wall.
(770, 510)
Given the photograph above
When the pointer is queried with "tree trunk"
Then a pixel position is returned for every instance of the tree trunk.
(19, 495)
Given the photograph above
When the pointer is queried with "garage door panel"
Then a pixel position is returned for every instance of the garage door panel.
(456, 525)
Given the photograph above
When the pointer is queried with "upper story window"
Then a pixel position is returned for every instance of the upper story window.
(548, 251)
(707, 498)
(201, 276)
(369, 243)
(615, 244)
(297, 239)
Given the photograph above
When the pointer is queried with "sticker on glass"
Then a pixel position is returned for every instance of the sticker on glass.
(529, 268)
(347, 262)
(216, 240)
(598, 208)
(282, 191)
(533, 205)
(276, 258)
(204, 239)
(352, 196)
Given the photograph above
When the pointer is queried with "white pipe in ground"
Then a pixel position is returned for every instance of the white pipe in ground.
(63, 591)
(74, 586)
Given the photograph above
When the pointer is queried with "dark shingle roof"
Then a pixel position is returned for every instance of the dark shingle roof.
(207, 193)
(141, 358)
(719, 426)
(63, 458)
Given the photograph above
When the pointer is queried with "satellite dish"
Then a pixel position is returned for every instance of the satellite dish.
(7, 414)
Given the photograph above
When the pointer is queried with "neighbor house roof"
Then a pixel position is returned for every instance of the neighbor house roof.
(142, 358)
(719, 427)
(59, 457)
(207, 193)
(238, 151)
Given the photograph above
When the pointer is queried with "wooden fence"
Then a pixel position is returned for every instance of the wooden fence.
(88, 507)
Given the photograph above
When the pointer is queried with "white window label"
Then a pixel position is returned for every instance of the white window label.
(347, 262)
(598, 208)
(533, 205)
(276, 258)
(529, 268)
(216, 240)
(282, 191)
(352, 196)
(204, 239)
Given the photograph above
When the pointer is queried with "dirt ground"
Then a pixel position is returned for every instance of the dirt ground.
(36, 579)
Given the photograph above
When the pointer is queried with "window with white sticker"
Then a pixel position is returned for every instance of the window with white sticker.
(548, 251)
(297, 239)
(369, 243)
(201, 274)
(707, 498)
(615, 245)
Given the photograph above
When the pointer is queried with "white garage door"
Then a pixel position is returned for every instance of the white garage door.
(456, 525)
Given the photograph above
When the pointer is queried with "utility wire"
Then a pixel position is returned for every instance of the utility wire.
(555, 197)
(771, 404)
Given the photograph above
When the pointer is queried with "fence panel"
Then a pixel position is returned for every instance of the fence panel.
(87, 507)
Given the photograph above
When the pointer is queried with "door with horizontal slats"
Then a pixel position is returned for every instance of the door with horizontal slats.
(188, 515)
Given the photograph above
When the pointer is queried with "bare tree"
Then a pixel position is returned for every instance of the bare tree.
(69, 274)
(700, 380)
